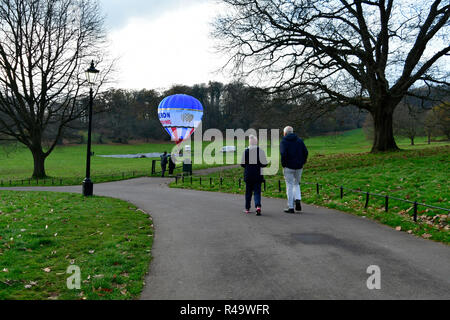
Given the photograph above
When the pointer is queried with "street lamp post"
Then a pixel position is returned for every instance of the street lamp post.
(88, 185)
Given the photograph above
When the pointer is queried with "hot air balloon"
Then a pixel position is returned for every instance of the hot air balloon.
(180, 115)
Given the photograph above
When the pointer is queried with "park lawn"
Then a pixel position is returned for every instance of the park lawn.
(355, 142)
(67, 164)
(420, 175)
(42, 234)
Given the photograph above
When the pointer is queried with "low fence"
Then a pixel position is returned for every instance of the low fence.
(342, 192)
(61, 181)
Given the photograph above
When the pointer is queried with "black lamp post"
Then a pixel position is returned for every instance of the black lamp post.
(88, 186)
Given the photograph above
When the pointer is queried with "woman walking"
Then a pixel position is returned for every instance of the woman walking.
(253, 160)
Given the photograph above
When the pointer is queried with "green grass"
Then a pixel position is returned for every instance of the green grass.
(42, 234)
(66, 165)
(417, 175)
(354, 141)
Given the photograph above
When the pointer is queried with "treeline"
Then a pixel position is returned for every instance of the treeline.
(415, 117)
(124, 116)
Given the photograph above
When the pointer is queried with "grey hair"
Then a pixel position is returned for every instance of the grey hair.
(253, 140)
(288, 130)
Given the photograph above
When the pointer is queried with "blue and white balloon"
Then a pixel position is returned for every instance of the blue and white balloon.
(180, 115)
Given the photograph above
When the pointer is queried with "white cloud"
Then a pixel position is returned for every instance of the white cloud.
(174, 48)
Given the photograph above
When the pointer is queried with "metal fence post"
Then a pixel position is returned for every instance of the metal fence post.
(416, 205)
(265, 186)
(279, 186)
(387, 203)
(367, 200)
(342, 192)
(318, 189)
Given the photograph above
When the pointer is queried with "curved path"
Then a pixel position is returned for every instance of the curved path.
(206, 248)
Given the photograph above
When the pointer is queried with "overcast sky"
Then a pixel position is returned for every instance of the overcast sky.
(159, 43)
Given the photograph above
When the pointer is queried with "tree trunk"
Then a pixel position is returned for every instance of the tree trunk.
(39, 163)
(384, 139)
(429, 138)
(412, 141)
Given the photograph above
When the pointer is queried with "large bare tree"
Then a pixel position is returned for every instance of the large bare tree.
(366, 53)
(45, 46)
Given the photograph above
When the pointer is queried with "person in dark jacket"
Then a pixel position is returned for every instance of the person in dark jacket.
(253, 160)
(294, 156)
(164, 161)
(172, 164)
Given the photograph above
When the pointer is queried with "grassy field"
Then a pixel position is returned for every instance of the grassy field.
(418, 173)
(42, 234)
(68, 162)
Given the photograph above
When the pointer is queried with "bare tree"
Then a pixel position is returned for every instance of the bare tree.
(409, 121)
(442, 119)
(45, 46)
(368, 54)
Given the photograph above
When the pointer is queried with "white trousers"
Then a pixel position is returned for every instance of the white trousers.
(293, 189)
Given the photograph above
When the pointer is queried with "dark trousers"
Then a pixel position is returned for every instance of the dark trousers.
(163, 168)
(250, 189)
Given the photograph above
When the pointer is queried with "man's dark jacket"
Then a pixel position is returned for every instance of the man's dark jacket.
(294, 153)
(252, 172)
(164, 160)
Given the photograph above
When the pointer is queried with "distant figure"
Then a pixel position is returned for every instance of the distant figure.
(294, 156)
(164, 160)
(172, 164)
(253, 160)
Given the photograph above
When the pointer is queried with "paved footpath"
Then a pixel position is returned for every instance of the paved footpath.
(206, 248)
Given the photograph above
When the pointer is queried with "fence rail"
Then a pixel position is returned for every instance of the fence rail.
(342, 192)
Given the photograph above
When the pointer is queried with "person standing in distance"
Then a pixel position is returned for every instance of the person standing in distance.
(294, 156)
(164, 161)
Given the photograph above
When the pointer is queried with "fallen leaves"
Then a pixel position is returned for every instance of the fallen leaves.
(47, 270)
(31, 285)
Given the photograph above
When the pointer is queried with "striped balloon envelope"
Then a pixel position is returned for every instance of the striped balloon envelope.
(180, 115)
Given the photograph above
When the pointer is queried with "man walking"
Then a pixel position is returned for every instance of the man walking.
(294, 156)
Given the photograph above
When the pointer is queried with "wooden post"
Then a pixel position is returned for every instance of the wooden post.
(153, 167)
